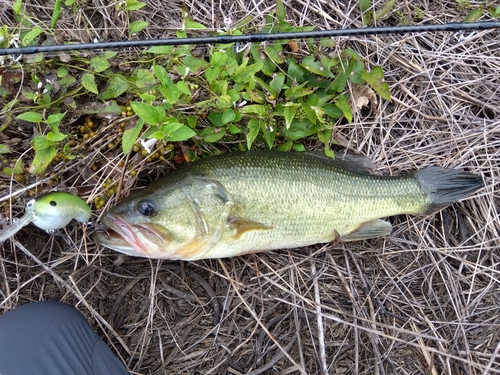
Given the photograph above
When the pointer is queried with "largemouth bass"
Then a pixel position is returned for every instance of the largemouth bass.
(255, 201)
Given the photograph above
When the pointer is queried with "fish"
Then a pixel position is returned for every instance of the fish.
(247, 202)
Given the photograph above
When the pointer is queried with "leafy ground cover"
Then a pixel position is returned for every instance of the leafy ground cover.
(100, 124)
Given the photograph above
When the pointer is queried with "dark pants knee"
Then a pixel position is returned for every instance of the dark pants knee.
(52, 338)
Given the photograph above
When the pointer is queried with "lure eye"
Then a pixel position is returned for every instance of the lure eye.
(53, 203)
(147, 207)
(30, 204)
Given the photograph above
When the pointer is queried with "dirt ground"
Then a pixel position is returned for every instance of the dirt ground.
(424, 300)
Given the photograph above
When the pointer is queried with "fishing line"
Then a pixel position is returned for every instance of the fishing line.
(251, 38)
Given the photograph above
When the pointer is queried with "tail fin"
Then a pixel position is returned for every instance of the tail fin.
(446, 186)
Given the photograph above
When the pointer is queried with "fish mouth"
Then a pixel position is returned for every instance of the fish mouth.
(126, 238)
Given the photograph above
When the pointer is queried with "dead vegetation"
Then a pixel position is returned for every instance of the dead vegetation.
(423, 301)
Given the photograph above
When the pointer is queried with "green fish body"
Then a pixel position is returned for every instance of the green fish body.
(263, 200)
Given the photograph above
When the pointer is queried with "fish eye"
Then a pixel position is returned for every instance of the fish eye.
(53, 203)
(147, 207)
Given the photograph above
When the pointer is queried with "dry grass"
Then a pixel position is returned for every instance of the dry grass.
(423, 301)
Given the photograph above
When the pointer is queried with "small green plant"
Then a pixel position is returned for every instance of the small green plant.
(370, 15)
(273, 95)
(46, 146)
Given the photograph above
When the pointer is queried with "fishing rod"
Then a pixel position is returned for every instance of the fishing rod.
(249, 38)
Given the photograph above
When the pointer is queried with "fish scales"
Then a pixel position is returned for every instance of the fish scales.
(306, 198)
(255, 201)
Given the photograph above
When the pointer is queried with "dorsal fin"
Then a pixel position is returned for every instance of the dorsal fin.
(352, 162)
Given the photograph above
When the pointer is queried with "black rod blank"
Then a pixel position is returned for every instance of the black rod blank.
(248, 38)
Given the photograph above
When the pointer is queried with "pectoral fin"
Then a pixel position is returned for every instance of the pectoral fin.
(371, 229)
(242, 226)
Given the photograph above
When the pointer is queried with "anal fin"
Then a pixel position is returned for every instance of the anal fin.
(370, 229)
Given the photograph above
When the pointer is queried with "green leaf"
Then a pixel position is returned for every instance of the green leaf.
(269, 136)
(194, 25)
(147, 97)
(181, 85)
(191, 121)
(218, 58)
(212, 74)
(366, 15)
(30, 116)
(384, 10)
(228, 116)
(40, 142)
(130, 136)
(32, 34)
(4, 149)
(194, 63)
(326, 42)
(289, 111)
(161, 50)
(67, 81)
(145, 78)
(138, 26)
(170, 93)
(62, 72)
(55, 119)
(375, 78)
(280, 11)
(215, 118)
(338, 84)
(342, 103)
(170, 126)
(149, 114)
(474, 15)
(56, 136)
(109, 54)
(162, 75)
(56, 13)
(324, 136)
(273, 51)
(17, 6)
(244, 75)
(99, 64)
(268, 66)
(117, 85)
(298, 147)
(332, 110)
(277, 82)
(134, 5)
(287, 146)
(299, 129)
(253, 131)
(315, 67)
(494, 12)
(310, 114)
(183, 70)
(182, 133)
(211, 135)
(257, 109)
(294, 71)
(233, 129)
(18, 168)
(88, 81)
(42, 159)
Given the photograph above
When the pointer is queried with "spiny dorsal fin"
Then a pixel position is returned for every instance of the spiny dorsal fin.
(352, 162)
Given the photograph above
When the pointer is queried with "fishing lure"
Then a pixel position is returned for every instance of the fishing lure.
(50, 212)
